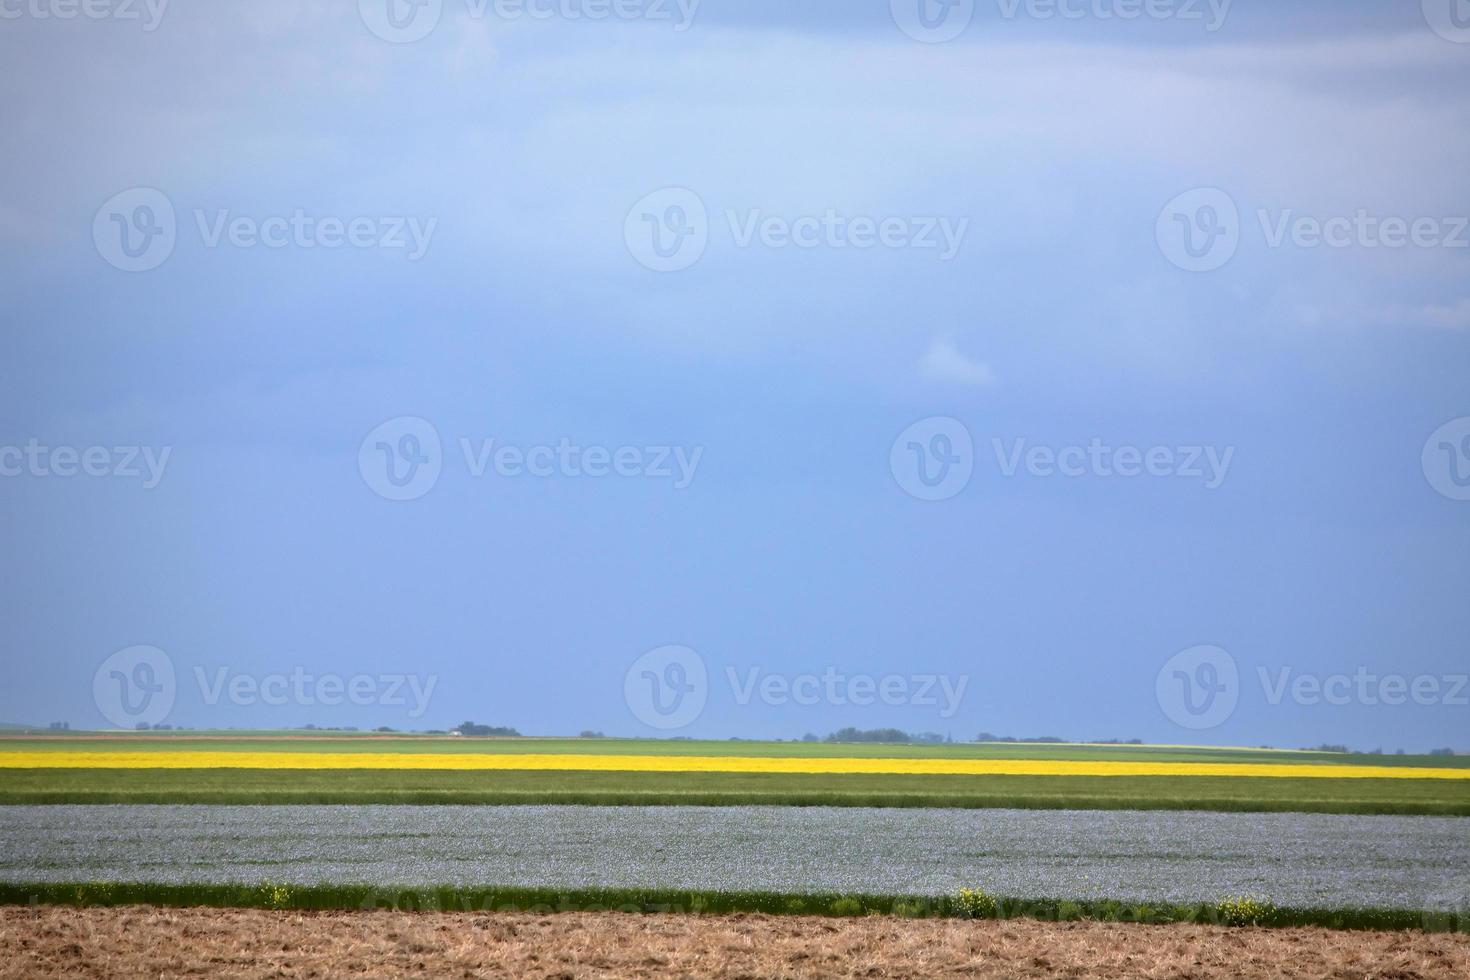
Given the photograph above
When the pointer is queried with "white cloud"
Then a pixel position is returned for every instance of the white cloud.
(945, 362)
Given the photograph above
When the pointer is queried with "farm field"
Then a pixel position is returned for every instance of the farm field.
(1292, 860)
(125, 942)
(356, 769)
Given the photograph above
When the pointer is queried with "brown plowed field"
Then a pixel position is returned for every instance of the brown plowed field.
(142, 942)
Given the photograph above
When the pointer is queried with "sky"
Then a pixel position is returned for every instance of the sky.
(739, 369)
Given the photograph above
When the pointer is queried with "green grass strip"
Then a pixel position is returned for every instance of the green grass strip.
(669, 901)
(353, 787)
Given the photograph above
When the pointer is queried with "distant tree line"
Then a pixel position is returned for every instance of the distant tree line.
(486, 731)
(884, 735)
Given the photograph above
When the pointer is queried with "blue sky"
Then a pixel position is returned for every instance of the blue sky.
(1327, 548)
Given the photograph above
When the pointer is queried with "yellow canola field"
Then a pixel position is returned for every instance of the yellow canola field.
(683, 763)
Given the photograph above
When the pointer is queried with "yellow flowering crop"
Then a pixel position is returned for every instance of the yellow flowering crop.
(684, 763)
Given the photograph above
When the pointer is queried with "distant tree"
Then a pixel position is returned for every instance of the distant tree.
(809, 737)
(486, 731)
(890, 735)
(589, 733)
(1442, 752)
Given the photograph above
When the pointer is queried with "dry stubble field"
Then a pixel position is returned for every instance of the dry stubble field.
(131, 942)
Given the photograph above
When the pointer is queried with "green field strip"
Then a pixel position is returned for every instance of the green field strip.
(367, 899)
(511, 787)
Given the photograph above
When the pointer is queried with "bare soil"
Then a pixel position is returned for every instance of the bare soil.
(133, 942)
